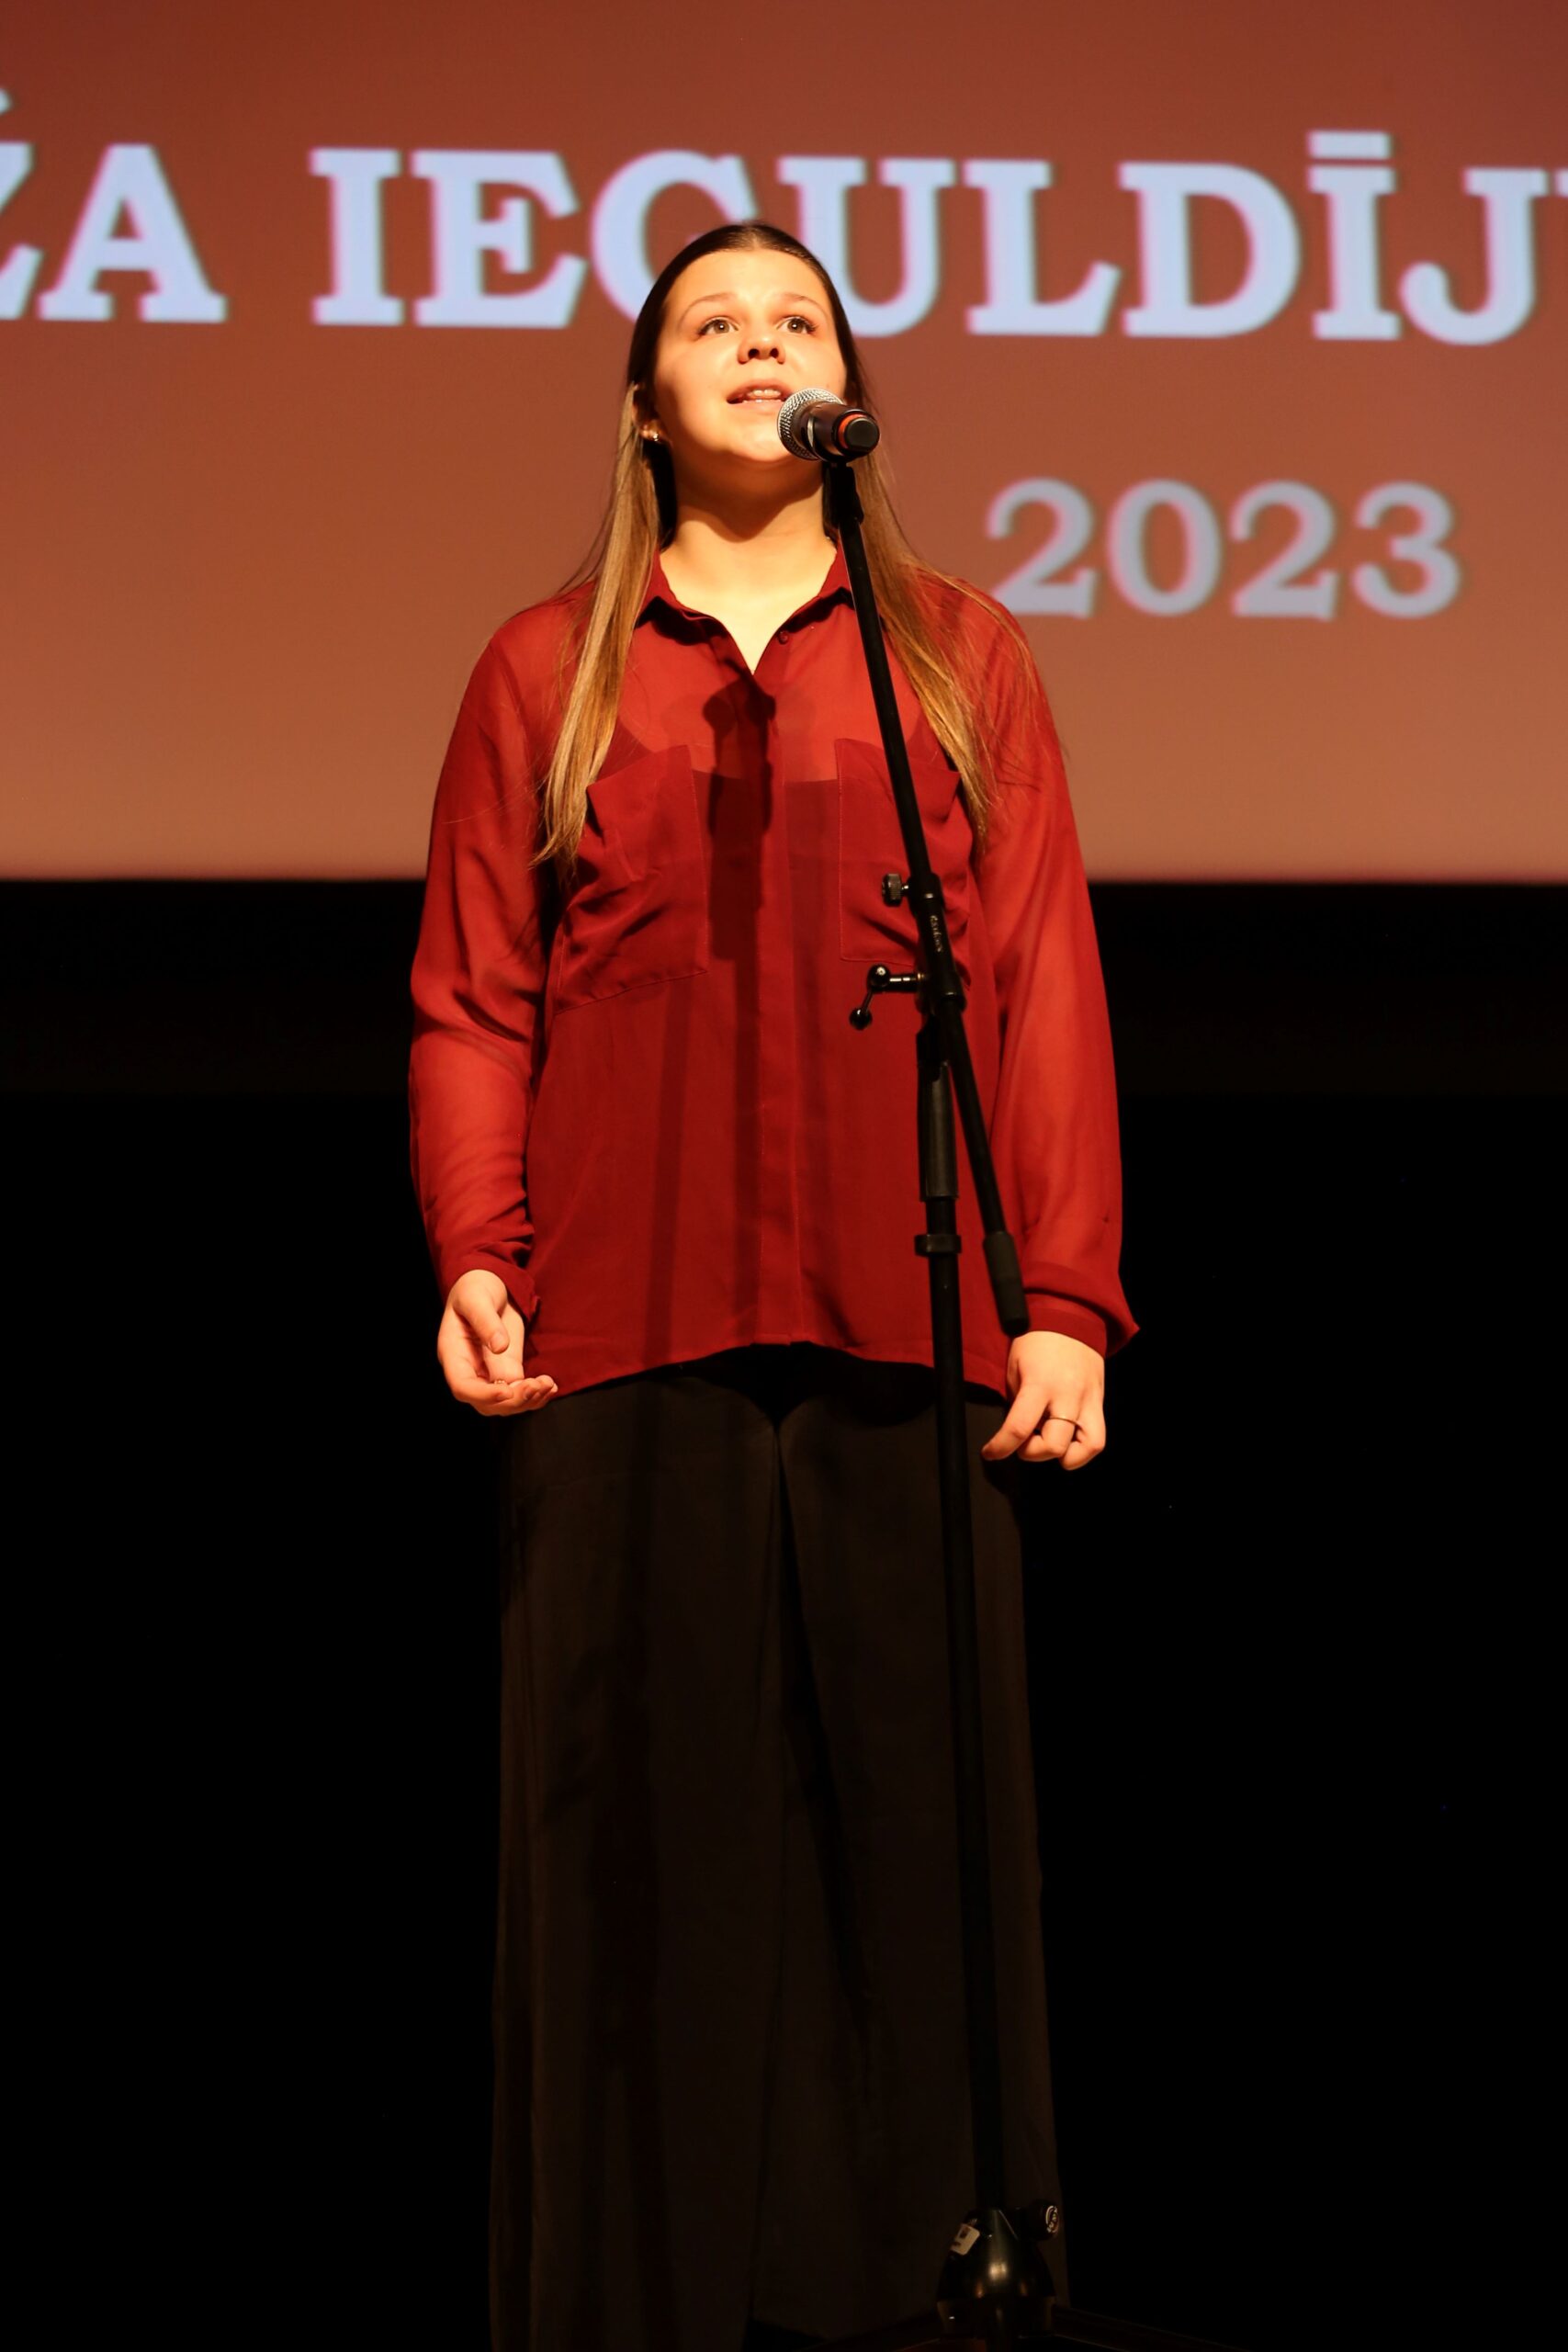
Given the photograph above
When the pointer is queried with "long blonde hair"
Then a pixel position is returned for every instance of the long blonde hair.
(639, 520)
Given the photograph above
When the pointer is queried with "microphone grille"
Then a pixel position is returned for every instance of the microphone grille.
(794, 437)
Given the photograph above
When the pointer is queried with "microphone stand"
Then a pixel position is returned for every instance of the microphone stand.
(994, 2285)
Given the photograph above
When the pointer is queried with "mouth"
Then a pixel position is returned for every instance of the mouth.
(769, 396)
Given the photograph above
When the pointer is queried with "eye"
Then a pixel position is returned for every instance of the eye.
(718, 319)
(809, 324)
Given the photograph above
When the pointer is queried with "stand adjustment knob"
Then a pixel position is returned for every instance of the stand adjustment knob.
(877, 980)
(893, 887)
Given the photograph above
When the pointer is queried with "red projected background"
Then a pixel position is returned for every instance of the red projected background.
(312, 322)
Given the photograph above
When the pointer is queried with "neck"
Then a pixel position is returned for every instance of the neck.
(775, 545)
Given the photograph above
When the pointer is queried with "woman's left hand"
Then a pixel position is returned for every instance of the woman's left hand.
(1057, 1387)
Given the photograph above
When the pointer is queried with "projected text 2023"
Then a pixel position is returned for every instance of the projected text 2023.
(1399, 564)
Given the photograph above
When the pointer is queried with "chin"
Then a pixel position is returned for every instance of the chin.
(756, 451)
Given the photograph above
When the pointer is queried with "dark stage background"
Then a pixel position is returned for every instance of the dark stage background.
(1282, 1633)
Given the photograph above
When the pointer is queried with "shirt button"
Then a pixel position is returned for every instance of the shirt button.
(782, 634)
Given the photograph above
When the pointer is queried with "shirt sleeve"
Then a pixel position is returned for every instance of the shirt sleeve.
(478, 985)
(1054, 1130)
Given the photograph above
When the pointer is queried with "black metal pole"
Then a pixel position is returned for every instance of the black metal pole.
(939, 1189)
(995, 2286)
(994, 2277)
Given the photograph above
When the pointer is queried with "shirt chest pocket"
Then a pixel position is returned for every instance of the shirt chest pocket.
(637, 912)
(871, 844)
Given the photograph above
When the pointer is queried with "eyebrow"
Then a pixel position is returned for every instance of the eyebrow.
(813, 301)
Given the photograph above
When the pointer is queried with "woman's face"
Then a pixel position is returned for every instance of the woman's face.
(742, 330)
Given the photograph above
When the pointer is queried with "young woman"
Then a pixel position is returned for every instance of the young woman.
(672, 1196)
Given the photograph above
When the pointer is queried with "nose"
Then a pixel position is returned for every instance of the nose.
(762, 345)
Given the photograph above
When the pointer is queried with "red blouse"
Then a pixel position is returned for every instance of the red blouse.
(646, 1109)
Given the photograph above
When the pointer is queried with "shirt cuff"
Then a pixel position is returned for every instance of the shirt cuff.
(1048, 1312)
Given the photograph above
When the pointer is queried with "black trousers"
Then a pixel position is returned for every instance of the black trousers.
(731, 2073)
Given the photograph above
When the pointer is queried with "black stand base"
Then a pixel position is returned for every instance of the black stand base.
(996, 2290)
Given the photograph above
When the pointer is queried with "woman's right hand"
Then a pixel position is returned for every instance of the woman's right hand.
(479, 1346)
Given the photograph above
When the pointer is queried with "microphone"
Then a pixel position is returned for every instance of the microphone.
(814, 423)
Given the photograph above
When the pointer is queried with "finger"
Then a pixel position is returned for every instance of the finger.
(1022, 1420)
(505, 1362)
(488, 1323)
(486, 1395)
(507, 1402)
(462, 1357)
(517, 1396)
(1072, 1428)
(1089, 1441)
(1051, 1442)
(468, 1340)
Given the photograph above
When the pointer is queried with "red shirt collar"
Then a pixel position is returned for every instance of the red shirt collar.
(836, 585)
